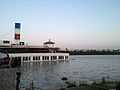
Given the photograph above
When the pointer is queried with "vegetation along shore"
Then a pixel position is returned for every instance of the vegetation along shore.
(94, 52)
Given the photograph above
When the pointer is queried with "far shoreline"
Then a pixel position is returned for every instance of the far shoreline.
(94, 52)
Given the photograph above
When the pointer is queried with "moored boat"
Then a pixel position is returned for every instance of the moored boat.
(19, 51)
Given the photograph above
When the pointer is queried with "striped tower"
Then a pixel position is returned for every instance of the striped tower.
(17, 33)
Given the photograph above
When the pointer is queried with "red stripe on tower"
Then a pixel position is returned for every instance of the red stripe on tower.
(17, 36)
(17, 31)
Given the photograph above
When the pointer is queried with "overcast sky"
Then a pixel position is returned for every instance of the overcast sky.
(70, 23)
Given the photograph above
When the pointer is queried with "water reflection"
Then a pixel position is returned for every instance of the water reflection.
(47, 75)
(43, 74)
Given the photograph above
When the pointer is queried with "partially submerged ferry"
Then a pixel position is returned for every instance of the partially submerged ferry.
(19, 51)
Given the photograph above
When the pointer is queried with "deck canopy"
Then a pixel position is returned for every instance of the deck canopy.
(49, 42)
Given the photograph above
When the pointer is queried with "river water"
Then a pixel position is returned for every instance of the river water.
(47, 75)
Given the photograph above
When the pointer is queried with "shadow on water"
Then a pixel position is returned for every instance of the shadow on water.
(8, 78)
(10, 74)
(43, 74)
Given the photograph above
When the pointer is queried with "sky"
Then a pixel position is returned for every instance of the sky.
(82, 24)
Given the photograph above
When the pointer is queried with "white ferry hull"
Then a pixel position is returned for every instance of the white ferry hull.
(38, 57)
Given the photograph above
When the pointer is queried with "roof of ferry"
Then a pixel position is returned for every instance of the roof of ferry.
(49, 42)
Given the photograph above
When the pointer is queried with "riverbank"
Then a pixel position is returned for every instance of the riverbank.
(103, 84)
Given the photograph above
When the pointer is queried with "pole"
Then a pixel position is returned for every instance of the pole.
(18, 80)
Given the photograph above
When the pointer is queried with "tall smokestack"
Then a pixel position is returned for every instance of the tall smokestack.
(17, 32)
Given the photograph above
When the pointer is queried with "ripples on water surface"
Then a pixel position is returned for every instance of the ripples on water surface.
(48, 74)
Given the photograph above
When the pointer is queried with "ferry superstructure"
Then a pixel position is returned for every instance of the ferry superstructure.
(29, 53)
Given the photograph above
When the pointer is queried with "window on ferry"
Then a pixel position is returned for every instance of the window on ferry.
(36, 58)
(15, 58)
(54, 57)
(18, 58)
(46, 57)
(51, 57)
(6, 42)
(12, 58)
(39, 58)
(28, 58)
(66, 57)
(61, 57)
(25, 58)
(43, 58)
(33, 57)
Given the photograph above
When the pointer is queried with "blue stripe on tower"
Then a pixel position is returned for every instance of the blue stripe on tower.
(17, 25)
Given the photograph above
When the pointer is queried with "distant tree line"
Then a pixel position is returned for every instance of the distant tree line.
(94, 52)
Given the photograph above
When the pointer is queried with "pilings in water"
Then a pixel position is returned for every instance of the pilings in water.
(15, 62)
(18, 74)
